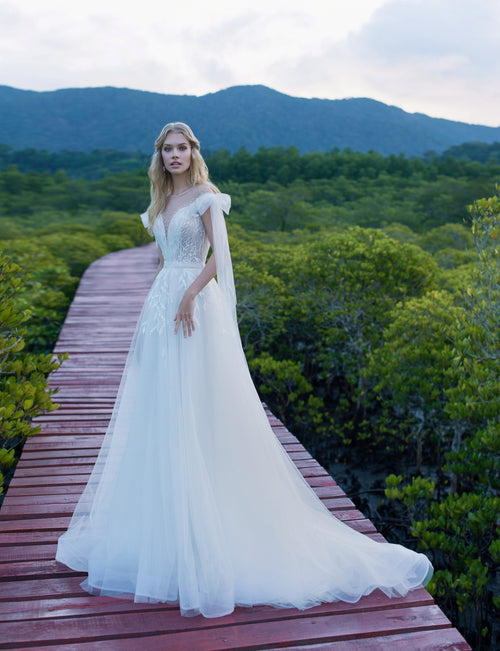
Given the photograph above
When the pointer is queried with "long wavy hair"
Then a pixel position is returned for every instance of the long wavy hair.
(162, 184)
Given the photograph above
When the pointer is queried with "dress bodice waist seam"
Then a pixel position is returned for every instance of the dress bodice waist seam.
(183, 265)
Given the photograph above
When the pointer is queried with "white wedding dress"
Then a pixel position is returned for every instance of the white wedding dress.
(192, 499)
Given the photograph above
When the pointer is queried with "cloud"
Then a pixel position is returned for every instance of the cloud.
(424, 30)
(435, 54)
(212, 44)
(431, 56)
(40, 50)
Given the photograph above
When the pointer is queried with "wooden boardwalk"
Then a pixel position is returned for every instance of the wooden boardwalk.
(41, 603)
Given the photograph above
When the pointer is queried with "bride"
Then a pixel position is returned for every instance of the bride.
(192, 499)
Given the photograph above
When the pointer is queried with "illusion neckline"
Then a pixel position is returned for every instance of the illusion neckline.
(179, 194)
(166, 223)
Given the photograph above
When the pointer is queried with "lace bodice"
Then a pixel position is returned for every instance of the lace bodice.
(180, 233)
(179, 230)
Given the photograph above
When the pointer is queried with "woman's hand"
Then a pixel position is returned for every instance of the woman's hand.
(185, 315)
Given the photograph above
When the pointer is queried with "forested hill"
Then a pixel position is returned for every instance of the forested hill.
(85, 119)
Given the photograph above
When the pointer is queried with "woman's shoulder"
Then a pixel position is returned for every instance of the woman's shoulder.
(211, 198)
(205, 188)
(203, 196)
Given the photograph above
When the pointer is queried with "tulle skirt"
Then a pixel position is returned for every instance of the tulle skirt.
(194, 501)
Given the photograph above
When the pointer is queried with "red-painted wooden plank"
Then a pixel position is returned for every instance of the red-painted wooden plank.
(49, 608)
(310, 629)
(31, 464)
(324, 480)
(29, 537)
(35, 524)
(339, 502)
(50, 480)
(43, 490)
(16, 553)
(443, 640)
(43, 441)
(23, 500)
(53, 430)
(38, 588)
(314, 471)
(33, 454)
(308, 463)
(448, 639)
(35, 569)
(76, 468)
(328, 491)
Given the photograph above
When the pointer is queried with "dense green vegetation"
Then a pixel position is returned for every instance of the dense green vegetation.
(91, 165)
(478, 151)
(24, 392)
(276, 163)
(369, 308)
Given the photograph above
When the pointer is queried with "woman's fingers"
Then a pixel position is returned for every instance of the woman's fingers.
(187, 324)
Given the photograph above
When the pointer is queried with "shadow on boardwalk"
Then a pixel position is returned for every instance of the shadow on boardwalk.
(41, 603)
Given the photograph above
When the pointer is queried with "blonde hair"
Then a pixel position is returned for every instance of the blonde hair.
(161, 180)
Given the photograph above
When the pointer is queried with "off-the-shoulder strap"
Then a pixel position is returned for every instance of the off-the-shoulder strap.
(218, 204)
(218, 200)
(145, 219)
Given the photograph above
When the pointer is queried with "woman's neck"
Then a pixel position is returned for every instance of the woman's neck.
(180, 184)
(181, 192)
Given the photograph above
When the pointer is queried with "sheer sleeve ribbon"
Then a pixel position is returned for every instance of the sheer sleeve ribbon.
(221, 203)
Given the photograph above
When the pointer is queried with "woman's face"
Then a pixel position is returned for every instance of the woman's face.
(176, 154)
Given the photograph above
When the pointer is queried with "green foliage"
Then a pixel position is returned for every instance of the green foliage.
(481, 152)
(46, 291)
(463, 534)
(448, 236)
(413, 371)
(462, 528)
(415, 494)
(24, 392)
(476, 463)
(122, 226)
(278, 210)
(323, 303)
(346, 285)
(273, 189)
(91, 165)
(77, 250)
(482, 295)
(283, 378)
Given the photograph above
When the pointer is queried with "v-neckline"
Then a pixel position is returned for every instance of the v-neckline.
(166, 227)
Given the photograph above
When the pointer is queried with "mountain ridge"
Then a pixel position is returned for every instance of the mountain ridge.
(84, 119)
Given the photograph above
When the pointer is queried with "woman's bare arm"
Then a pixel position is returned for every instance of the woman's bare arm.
(185, 312)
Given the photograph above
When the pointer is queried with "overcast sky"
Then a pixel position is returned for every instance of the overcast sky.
(439, 57)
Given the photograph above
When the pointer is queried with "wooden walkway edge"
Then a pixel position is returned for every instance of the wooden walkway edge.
(41, 603)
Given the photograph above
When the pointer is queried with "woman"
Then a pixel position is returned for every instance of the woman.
(192, 499)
